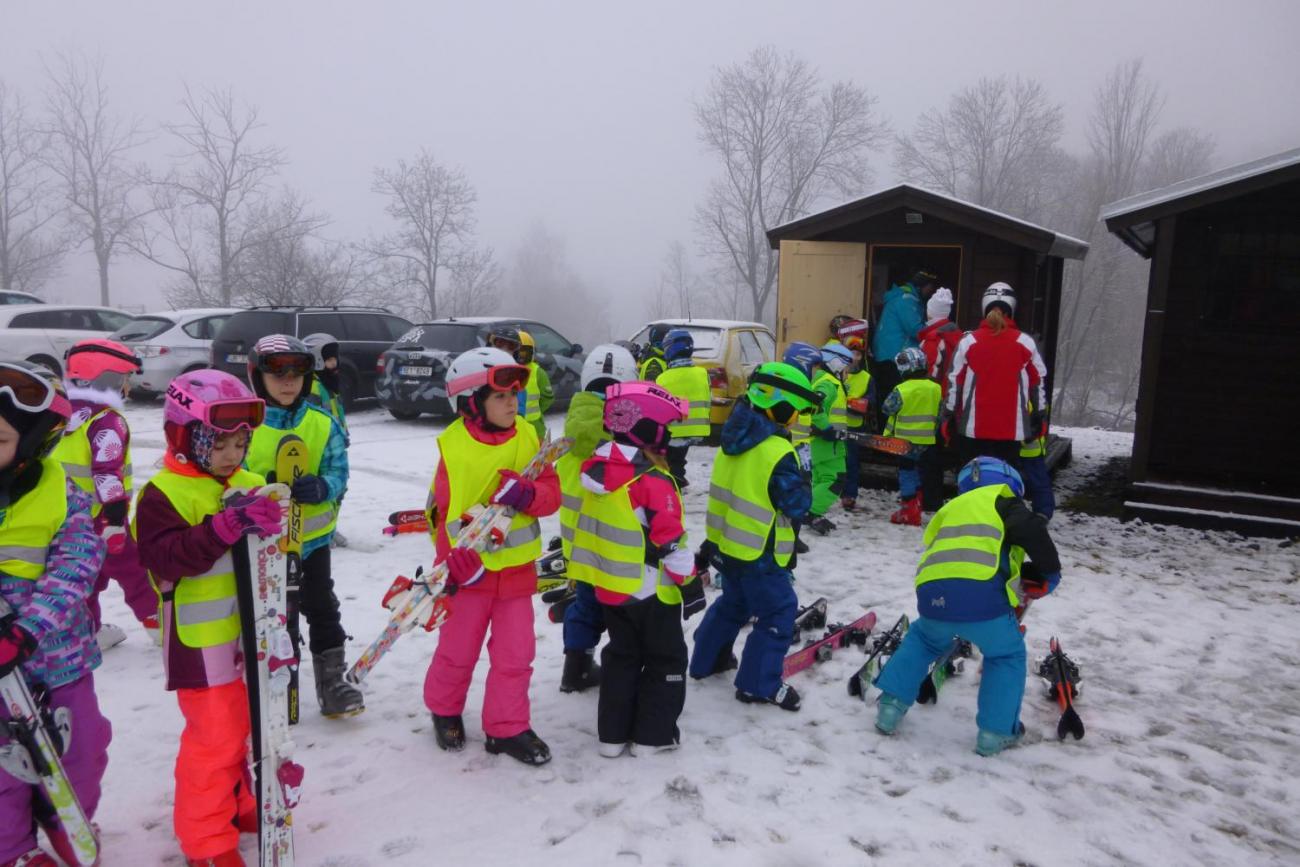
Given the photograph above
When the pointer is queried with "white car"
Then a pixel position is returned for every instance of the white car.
(11, 297)
(170, 343)
(43, 333)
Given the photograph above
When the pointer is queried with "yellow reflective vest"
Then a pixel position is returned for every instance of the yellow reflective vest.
(855, 388)
(318, 519)
(916, 418)
(74, 452)
(26, 533)
(741, 515)
(569, 469)
(691, 384)
(652, 368)
(964, 541)
(834, 415)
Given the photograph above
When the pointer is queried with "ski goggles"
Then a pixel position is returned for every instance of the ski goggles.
(226, 415)
(286, 364)
(503, 377)
(30, 392)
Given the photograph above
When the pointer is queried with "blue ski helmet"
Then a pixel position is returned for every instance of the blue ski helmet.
(836, 356)
(910, 360)
(802, 356)
(985, 471)
(678, 344)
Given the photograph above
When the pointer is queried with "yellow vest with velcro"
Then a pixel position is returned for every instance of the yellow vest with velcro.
(691, 384)
(315, 428)
(473, 476)
(74, 452)
(28, 526)
(532, 396)
(964, 541)
(205, 607)
(855, 388)
(569, 469)
(652, 368)
(916, 419)
(741, 515)
(837, 414)
(609, 548)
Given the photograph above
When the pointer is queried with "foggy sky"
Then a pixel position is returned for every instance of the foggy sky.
(580, 114)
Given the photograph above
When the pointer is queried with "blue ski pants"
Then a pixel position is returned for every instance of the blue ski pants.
(1002, 684)
(760, 589)
(584, 619)
(1038, 485)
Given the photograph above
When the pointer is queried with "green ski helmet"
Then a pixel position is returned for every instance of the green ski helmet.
(781, 391)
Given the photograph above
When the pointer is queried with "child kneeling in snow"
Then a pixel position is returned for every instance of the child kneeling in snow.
(968, 585)
(630, 544)
(480, 457)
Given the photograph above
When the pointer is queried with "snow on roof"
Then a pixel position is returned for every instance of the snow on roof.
(1192, 186)
(708, 323)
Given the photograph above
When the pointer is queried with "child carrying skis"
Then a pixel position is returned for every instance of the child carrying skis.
(96, 455)
(631, 545)
(281, 371)
(858, 401)
(480, 457)
(829, 422)
(969, 583)
(912, 409)
(756, 493)
(584, 621)
(690, 384)
(50, 556)
(186, 530)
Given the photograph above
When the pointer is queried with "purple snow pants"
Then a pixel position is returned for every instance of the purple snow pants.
(84, 761)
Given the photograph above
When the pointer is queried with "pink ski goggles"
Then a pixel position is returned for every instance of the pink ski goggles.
(226, 414)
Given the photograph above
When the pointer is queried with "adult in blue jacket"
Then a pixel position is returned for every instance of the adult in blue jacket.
(901, 320)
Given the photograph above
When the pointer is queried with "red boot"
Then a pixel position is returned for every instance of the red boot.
(34, 858)
(909, 512)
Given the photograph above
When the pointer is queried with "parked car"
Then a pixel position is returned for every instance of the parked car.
(42, 333)
(9, 296)
(362, 332)
(729, 350)
(413, 371)
(170, 343)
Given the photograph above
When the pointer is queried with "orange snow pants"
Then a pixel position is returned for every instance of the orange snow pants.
(212, 780)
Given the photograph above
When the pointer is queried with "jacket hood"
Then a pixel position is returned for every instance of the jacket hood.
(613, 466)
(745, 429)
(900, 289)
(585, 423)
(87, 401)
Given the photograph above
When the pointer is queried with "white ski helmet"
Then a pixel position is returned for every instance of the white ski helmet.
(606, 365)
(999, 293)
(471, 370)
(321, 345)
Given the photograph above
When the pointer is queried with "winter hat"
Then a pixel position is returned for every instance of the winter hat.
(940, 304)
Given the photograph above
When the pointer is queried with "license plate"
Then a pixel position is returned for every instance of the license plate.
(236, 358)
(408, 370)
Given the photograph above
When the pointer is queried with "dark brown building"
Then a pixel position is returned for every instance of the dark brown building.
(1218, 410)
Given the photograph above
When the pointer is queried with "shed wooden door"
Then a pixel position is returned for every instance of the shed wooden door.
(815, 281)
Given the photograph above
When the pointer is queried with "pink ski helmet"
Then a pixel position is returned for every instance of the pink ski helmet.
(212, 399)
(640, 413)
(101, 363)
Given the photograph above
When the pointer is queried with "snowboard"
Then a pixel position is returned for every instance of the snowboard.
(811, 616)
(882, 646)
(837, 636)
(261, 581)
(423, 600)
(1062, 677)
(420, 526)
(953, 661)
(37, 738)
(407, 516)
(291, 462)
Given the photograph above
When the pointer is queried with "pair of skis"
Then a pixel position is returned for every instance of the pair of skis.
(888, 445)
(882, 647)
(837, 636)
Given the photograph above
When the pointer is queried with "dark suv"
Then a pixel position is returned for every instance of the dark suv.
(362, 332)
(413, 372)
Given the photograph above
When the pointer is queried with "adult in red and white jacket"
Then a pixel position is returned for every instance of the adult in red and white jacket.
(939, 337)
(996, 390)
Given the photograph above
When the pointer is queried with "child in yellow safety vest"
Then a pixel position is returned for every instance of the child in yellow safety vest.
(538, 396)
(830, 423)
(857, 396)
(630, 544)
(689, 384)
(186, 527)
(912, 414)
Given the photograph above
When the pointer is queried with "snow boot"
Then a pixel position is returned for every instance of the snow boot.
(786, 698)
(526, 747)
(225, 859)
(651, 750)
(849, 504)
(726, 661)
(821, 525)
(990, 743)
(109, 635)
(889, 713)
(336, 697)
(613, 751)
(338, 540)
(909, 512)
(449, 731)
(33, 858)
(153, 628)
(800, 546)
(580, 671)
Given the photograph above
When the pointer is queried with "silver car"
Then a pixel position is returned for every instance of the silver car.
(169, 344)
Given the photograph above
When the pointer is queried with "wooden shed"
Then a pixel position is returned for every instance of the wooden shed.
(1218, 409)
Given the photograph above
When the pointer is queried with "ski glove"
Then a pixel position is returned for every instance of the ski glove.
(515, 491)
(826, 433)
(945, 428)
(245, 514)
(16, 645)
(1036, 586)
(693, 601)
(464, 568)
(310, 490)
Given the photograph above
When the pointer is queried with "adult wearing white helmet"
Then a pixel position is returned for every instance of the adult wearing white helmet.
(997, 394)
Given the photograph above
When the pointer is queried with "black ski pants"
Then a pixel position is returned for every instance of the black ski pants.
(643, 674)
(317, 601)
(676, 457)
(968, 449)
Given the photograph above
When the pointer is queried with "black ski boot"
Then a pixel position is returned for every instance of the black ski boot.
(726, 661)
(337, 697)
(449, 732)
(580, 671)
(526, 747)
(821, 525)
(800, 546)
(786, 698)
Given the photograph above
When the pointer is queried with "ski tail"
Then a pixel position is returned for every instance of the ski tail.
(291, 463)
(1065, 691)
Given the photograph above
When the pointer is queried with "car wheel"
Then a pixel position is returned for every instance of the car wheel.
(47, 362)
(404, 414)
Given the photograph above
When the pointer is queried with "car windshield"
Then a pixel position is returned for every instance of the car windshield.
(707, 340)
(451, 338)
(142, 328)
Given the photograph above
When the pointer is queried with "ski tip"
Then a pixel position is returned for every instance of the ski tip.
(855, 686)
(1070, 724)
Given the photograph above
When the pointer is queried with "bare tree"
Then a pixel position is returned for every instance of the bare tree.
(212, 205)
(543, 285)
(433, 207)
(994, 145)
(31, 247)
(89, 154)
(784, 142)
(1125, 111)
(678, 293)
(287, 262)
(1176, 155)
(474, 287)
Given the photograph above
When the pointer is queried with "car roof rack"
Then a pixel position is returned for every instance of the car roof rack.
(314, 308)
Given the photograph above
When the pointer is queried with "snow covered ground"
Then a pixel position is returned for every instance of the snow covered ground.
(1187, 640)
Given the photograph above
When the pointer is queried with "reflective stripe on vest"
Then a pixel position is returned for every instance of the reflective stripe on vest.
(916, 419)
(532, 408)
(801, 430)
(651, 368)
(609, 548)
(691, 384)
(74, 452)
(741, 515)
(964, 541)
(205, 606)
(315, 428)
(855, 388)
(569, 469)
(835, 416)
(26, 532)
(1035, 448)
(473, 477)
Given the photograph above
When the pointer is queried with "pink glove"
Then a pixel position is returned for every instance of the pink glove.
(464, 567)
(515, 491)
(115, 538)
(245, 514)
